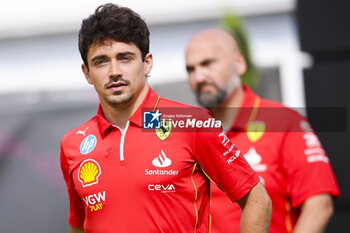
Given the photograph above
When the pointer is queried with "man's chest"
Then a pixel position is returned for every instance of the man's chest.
(263, 153)
(138, 162)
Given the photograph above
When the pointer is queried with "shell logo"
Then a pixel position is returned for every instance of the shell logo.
(88, 172)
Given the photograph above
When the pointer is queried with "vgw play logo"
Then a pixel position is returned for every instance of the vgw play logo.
(151, 120)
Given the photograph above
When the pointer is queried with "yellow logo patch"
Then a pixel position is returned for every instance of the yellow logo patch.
(88, 173)
(165, 129)
(255, 130)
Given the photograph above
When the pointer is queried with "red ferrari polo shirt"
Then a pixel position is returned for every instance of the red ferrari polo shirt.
(131, 181)
(281, 147)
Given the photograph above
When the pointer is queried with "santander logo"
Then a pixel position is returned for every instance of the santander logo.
(161, 160)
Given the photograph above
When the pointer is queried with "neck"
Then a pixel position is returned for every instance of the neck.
(227, 111)
(120, 114)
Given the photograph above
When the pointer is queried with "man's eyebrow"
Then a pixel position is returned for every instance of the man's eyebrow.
(188, 67)
(100, 57)
(126, 54)
(207, 61)
(122, 54)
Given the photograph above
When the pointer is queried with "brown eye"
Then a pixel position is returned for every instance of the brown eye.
(125, 59)
(206, 63)
(99, 62)
(189, 69)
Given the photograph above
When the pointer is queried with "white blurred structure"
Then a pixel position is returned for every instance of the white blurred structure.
(39, 52)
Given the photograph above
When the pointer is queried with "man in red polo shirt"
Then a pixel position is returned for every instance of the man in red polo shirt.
(278, 143)
(121, 177)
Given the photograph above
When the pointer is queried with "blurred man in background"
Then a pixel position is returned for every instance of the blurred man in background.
(278, 143)
(123, 179)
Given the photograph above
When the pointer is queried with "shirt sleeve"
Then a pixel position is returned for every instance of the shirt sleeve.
(76, 210)
(306, 164)
(223, 164)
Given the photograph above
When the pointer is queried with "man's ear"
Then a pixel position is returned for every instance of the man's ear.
(240, 63)
(86, 74)
(148, 63)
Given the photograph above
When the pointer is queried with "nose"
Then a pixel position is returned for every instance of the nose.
(199, 75)
(114, 69)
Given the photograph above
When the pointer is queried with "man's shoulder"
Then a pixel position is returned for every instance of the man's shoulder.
(268, 103)
(164, 102)
(182, 109)
(272, 104)
(167, 103)
(280, 117)
(84, 130)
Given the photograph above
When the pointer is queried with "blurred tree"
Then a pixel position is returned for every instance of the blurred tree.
(235, 25)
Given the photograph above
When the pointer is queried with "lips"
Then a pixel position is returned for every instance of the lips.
(205, 87)
(117, 84)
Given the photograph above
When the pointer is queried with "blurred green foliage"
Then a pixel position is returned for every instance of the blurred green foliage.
(235, 25)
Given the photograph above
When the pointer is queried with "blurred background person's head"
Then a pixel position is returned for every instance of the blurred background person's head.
(214, 64)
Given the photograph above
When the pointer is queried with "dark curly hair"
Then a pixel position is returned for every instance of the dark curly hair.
(114, 22)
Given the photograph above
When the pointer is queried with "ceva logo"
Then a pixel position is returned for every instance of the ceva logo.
(161, 160)
(169, 188)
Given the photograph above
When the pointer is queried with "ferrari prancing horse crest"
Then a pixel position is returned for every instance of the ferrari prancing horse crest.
(165, 128)
(255, 130)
